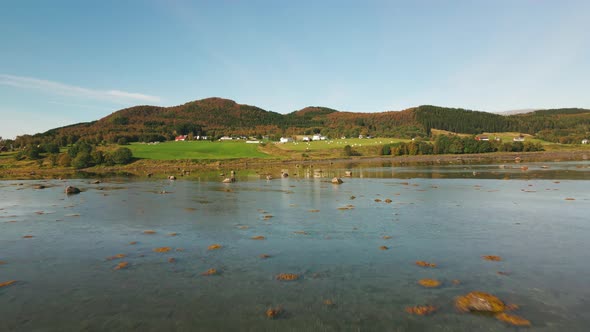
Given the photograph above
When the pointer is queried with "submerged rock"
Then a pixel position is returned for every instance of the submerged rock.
(7, 283)
(421, 310)
(287, 276)
(214, 246)
(337, 180)
(513, 319)
(429, 283)
(72, 190)
(479, 301)
(273, 313)
(425, 264)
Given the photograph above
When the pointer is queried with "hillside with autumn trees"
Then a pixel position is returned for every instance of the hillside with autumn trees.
(216, 117)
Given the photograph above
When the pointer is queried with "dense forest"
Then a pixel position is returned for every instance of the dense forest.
(216, 117)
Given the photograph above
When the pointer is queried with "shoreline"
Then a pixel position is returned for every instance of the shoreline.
(157, 168)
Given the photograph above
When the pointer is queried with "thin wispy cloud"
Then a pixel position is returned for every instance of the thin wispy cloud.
(115, 96)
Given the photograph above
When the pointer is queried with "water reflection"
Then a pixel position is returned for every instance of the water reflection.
(450, 216)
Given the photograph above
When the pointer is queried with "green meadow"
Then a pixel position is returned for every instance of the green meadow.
(337, 143)
(196, 150)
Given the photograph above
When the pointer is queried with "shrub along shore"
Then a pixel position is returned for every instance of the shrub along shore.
(11, 169)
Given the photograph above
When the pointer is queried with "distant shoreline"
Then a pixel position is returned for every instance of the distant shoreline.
(163, 169)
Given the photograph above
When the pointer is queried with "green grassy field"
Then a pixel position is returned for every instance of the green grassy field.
(196, 150)
(337, 144)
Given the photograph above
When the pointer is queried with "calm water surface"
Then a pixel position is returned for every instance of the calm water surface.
(449, 215)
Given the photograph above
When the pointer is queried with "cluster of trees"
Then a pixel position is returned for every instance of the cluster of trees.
(444, 144)
(82, 155)
(79, 155)
(569, 125)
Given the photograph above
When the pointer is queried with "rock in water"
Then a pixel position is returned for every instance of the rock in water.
(172, 177)
(337, 180)
(479, 301)
(72, 190)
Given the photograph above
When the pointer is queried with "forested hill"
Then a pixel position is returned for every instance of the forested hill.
(215, 117)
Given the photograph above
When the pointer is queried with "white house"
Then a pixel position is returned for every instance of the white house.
(181, 138)
(518, 138)
(286, 140)
(306, 139)
(318, 137)
(585, 141)
(226, 138)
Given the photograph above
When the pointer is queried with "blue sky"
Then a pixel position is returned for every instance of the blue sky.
(63, 62)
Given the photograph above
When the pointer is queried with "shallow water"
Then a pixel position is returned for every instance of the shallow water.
(449, 215)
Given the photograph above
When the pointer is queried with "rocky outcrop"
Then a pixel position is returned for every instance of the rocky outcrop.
(337, 180)
(72, 190)
(479, 301)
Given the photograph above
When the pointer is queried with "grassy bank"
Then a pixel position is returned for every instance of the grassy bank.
(197, 150)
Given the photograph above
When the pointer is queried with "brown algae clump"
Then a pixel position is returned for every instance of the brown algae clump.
(7, 283)
(274, 313)
(259, 237)
(149, 231)
(162, 249)
(421, 310)
(479, 301)
(384, 248)
(493, 258)
(425, 264)
(429, 283)
(512, 307)
(117, 256)
(214, 246)
(513, 319)
(122, 265)
(329, 302)
(210, 272)
(265, 256)
(287, 276)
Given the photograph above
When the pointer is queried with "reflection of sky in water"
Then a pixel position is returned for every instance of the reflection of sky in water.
(65, 283)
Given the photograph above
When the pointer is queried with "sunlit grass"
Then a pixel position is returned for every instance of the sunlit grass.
(196, 150)
(337, 144)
